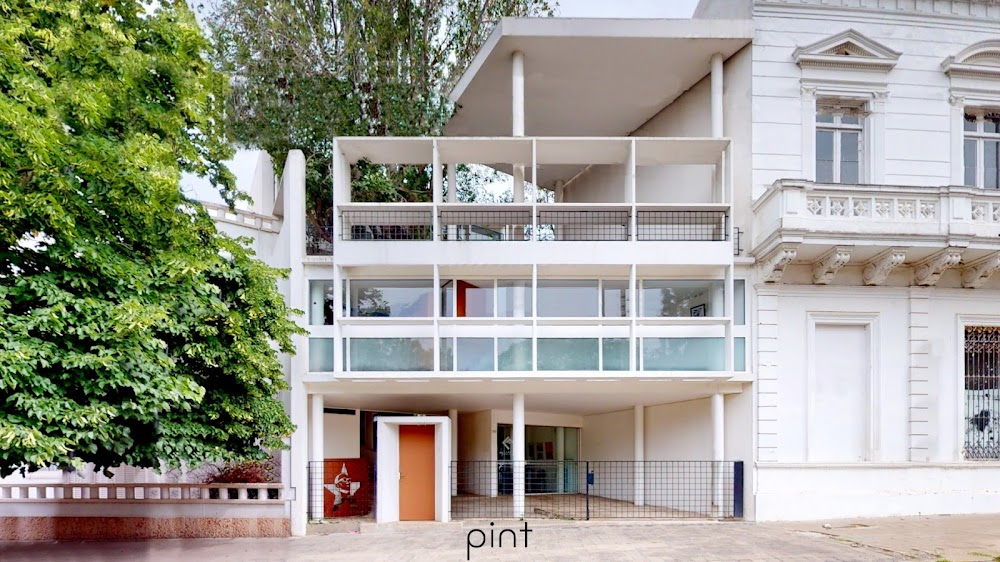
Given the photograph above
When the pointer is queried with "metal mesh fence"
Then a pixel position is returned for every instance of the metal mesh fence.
(583, 225)
(340, 488)
(982, 392)
(319, 240)
(584, 490)
(707, 226)
(470, 226)
(386, 225)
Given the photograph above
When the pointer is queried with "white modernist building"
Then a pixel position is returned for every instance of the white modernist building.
(763, 236)
(746, 271)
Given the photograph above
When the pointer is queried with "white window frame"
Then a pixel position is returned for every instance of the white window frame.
(870, 100)
(979, 135)
(838, 128)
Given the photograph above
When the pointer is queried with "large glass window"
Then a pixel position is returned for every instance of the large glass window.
(982, 150)
(475, 354)
(568, 298)
(321, 303)
(398, 298)
(514, 298)
(614, 354)
(567, 354)
(321, 355)
(392, 354)
(740, 300)
(839, 134)
(672, 298)
(683, 354)
(467, 299)
(614, 299)
(514, 354)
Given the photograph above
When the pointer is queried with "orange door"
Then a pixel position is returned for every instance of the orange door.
(416, 473)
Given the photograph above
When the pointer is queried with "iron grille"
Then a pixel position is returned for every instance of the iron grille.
(335, 492)
(583, 225)
(468, 226)
(695, 226)
(319, 240)
(386, 225)
(585, 490)
(982, 392)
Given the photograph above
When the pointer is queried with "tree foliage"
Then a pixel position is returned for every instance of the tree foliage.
(130, 330)
(307, 71)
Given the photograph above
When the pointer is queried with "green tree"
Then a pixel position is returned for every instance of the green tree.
(130, 330)
(308, 71)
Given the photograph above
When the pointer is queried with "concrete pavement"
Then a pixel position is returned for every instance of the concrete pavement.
(923, 538)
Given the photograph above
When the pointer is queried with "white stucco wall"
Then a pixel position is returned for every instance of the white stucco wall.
(341, 436)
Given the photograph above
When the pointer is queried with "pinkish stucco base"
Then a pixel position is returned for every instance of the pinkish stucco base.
(134, 528)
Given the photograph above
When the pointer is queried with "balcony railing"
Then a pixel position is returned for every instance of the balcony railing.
(507, 223)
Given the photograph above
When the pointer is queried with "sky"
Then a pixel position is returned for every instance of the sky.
(244, 163)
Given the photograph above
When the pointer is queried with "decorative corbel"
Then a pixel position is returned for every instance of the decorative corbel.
(830, 264)
(774, 265)
(877, 270)
(979, 272)
(927, 272)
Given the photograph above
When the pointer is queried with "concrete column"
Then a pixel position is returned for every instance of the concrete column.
(315, 455)
(452, 183)
(718, 449)
(560, 191)
(517, 455)
(717, 129)
(640, 454)
(517, 94)
(560, 456)
(453, 416)
(436, 179)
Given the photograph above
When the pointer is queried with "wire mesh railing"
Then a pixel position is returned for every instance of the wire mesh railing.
(688, 226)
(584, 225)
(982, 392)
(340, 488)
(486, 226)
(319, 240)
(584, 490)
(386, 225)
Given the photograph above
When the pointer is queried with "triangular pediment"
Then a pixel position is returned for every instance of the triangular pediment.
(980, 60)
(850, 50)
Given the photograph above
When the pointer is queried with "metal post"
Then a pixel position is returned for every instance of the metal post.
(738, 489)
(517, 455)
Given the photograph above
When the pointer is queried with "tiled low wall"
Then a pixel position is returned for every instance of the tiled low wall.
(141, 511)
(136, 528)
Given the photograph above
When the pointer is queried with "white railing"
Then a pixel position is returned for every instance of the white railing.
(873, 210)
(152, 493)
(248, 219)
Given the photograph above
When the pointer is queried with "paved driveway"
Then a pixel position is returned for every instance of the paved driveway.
(570, 541)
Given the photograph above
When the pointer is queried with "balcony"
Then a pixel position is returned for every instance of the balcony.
(629, 200)
(830, 225)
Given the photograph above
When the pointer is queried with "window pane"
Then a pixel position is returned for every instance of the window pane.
(321, 355)
(740, 298)
(448, 299)
(567, 354)
(970, 122)
(513, 298)
(683, 354)
(514, 354)
(447, 354)
(849, 157)
(824, 156)
(615, 299)
(321, 303)
(392, 354)
(397, 298)
(474, 299)
(475, 354)
(991, 124)
(990, 161)
(740, 353)
(566, 298)
(615, 352)
(970, 162)
(824, 116)
(850, 120)
(683, 298)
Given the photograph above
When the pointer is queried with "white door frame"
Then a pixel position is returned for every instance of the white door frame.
(387, 466)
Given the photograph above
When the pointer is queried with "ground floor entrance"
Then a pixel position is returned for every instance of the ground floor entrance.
(589, 451)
